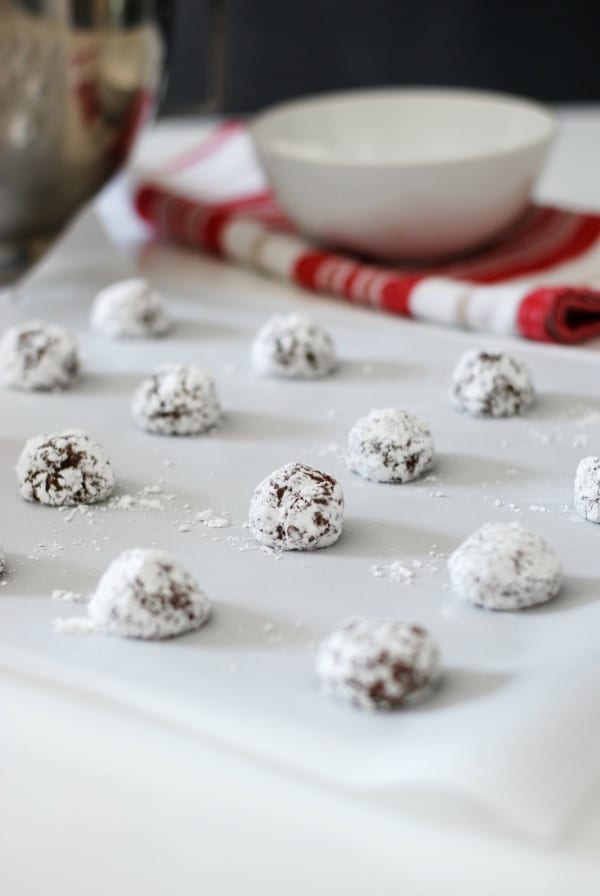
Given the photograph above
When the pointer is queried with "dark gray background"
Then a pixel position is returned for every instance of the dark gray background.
(279, 48)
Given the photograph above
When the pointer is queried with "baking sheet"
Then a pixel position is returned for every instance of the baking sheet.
(514, 726)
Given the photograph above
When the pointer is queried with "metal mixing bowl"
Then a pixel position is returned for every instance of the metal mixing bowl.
(77, 79)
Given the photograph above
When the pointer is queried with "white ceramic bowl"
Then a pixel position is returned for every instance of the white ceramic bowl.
(404, 173)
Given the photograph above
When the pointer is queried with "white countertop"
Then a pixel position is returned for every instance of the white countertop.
(99, 799)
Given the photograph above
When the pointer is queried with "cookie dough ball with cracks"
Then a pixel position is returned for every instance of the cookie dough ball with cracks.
(177, 400)
(129, 309)
(148, 594)
(587, 489)
(294, 347)
(38, 356)
(487, 384)
(378, 663)
(64, 468)
(390, 445)
(503, 566)
(297, 508)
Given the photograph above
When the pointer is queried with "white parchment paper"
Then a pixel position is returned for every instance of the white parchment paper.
(515, 725)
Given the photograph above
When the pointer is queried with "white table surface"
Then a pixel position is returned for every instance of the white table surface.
(97, 800)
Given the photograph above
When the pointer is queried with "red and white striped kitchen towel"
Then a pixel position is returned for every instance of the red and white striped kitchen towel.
(541, 281)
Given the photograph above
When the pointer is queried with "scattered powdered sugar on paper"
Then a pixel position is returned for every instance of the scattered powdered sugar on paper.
(406, 572)
(76, 625)
(581, 440)
(500, 502)
(586, 416)
(395, 572)
(245, 543)
(150, 497)
(333, 449)
(123, 502)
(213, 520)
(68, 596)
(203, 518)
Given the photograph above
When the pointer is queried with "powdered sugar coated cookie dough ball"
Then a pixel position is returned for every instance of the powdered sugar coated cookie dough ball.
(485, 384)
(587, 489)
(64, 468)
(177, 400)
(293, 346)
(129, 308)
(378, 663)
(390, 445)
(38, 356)
(148, 594)
(297, 508)
(505, 567)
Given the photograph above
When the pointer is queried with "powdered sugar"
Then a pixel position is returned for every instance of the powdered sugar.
(123, 502)
(149, 497)
(70, 597)
(581, 440)
(211, 519)
(395, 572)
(75, 625)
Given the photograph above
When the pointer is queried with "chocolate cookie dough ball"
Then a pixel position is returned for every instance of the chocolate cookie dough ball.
(378, 663)
(130, 308)
(390, 445)
(2, 562)
(148, 594)
(491, 385)
(64, 468)
(177, 400)
(38, 356)
(297, 508)
(587, 489)
(293, 346)
(505, 567)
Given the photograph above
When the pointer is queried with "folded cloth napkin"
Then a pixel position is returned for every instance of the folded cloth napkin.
(541, 280)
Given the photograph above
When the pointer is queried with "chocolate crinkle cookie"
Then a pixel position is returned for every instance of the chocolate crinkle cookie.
(587, 489)
(378, 663)
(64, 468)
(505, 567)
(148, 594)
(390, 445)
(177, 400)
(130, 308)
(293, 346)
(297, 508)
(38, 356)
(486, 384)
